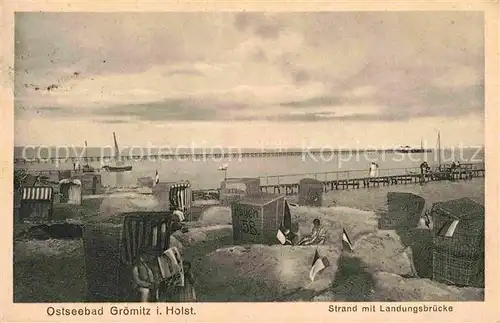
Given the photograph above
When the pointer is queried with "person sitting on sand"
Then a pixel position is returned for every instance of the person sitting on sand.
(317, 235)
(143, 279)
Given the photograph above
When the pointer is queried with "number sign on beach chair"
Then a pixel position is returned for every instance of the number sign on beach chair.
(256, 219)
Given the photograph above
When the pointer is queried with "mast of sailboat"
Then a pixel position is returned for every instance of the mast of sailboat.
(86, 156)
(117, 151)
(439, 149)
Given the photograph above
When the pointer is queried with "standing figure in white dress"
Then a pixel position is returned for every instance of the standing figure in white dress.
(373, 170)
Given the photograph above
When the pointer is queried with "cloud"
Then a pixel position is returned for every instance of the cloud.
(112, 121)
(186, 71)
(315, 101)
(249, 66)
(166, 110)
(262, 25)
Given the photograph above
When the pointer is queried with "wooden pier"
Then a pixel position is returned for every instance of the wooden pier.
(464, 172)
(353, 179)
(37, 157)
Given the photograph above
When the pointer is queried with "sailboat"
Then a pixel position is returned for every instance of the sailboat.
(87, 168)
(439, 149)
(119, 167)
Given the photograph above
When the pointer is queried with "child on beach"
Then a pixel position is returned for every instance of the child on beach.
(317, 235)
(143, 280)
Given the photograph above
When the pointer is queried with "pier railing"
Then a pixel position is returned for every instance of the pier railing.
(350, 174)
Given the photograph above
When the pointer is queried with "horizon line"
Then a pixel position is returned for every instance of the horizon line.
(183, 147)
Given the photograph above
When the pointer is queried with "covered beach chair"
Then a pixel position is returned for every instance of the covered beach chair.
(310, 192)
(70, 191)
(174, 195)
(458, 248)
(404, 211)
(113, 244)
(233, 189)
(36, 204)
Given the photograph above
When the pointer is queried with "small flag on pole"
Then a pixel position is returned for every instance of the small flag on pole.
(157, 178)
(346, 241)
(427, 219)
(287, 217)
(223, 167)
(448, 229)
(318, 264)
(281, 237)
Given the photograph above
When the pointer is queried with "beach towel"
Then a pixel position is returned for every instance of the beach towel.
(179, 215)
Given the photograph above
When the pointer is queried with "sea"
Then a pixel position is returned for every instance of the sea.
(202, 167)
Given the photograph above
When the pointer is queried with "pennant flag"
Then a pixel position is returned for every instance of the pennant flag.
(287, 217)
(223, 167)
(281, 237)
(427, 219)
(448, 229)
(346, 240)
(319, 263)
(157, 178)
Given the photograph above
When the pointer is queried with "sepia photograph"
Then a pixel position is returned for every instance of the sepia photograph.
(184, 157)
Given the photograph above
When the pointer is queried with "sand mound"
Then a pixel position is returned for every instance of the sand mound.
(216, 215)
(263, 273)
(391, 287)
(127, 202)
(385, 251)
(205, 202)
(28, 249)
(144, 190)
(195, 237)
(176, 243)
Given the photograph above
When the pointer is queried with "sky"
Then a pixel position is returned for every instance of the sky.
(250, 79)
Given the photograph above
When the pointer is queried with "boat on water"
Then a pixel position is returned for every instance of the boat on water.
(119, 167)
(410, 150)
(88, 169)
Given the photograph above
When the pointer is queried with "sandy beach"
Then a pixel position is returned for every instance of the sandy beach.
(381, 267)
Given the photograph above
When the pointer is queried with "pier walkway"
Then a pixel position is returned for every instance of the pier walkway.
(353, 179)
(342, 180)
